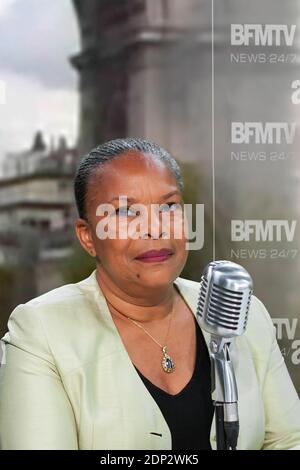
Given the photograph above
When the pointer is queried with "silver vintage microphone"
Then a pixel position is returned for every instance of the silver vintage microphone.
(223, 306)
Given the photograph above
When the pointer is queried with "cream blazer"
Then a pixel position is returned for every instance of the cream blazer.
(67, 381)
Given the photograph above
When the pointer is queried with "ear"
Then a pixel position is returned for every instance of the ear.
(84, 235)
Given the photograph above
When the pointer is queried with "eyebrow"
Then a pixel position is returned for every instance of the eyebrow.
(131, 199)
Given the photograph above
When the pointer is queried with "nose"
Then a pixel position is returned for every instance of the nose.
(153, 226)
(162, 235)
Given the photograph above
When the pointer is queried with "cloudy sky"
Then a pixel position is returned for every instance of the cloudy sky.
(37, 37)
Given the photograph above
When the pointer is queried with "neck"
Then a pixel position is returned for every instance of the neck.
(150, 307)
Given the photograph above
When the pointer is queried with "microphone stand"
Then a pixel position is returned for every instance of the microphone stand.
(226, 396)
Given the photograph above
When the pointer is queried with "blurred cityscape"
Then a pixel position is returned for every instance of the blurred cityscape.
(36, 205)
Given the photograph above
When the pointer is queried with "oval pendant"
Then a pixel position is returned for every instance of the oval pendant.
(167, 363)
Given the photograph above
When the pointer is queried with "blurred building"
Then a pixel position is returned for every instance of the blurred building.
(36, 203)
(145, 71)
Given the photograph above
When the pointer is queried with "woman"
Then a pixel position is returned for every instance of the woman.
(118, 360)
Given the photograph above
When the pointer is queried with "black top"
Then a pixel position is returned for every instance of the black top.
(189, 413)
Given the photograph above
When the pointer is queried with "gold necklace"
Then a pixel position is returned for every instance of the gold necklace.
(167, 362)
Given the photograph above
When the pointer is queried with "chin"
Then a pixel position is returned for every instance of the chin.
(156, 279)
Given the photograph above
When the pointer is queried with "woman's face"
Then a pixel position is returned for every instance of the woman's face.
(144, 181)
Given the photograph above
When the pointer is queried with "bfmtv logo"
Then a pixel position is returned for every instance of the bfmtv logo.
(262, 34)
(263, 230)
(263, 133)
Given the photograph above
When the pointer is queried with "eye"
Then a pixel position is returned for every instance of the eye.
(170, 206)
(124, 211)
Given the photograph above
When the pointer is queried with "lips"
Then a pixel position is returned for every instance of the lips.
(152, 254)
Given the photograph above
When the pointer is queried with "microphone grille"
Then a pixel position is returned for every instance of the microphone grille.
(224, 298)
